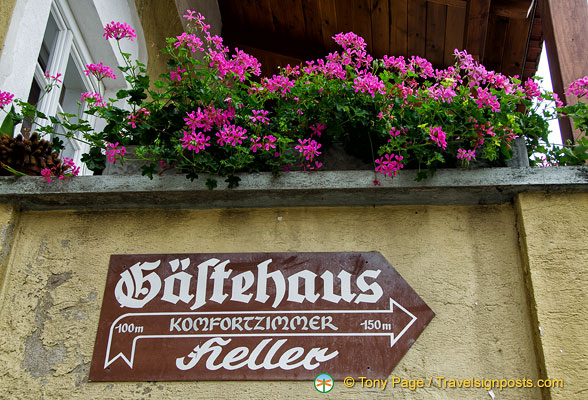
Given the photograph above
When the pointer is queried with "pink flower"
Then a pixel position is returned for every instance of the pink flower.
(438, 136)
(112, 150)
(261, 116)
(558, 102)
(389, 165)
(190, 40)
(69, 164)
(177, 74)
(466, 155)
(94, 98)
(354, 51)
(532, 89)
(100, 71)
(209, 117)
(199, 20)
(118, 31)
(5, 98)
(196, 142)
(421, 66)
(369, 83)
(440, 92)
(318, 129)
(189, 15)
(578, 88)
(55, 78)
(395, 132)
(311, 167)
(308, 148)
(278, 82)
(255, 144)
(269, 142)
(46, 173)
(486, 98)
(134, 118)
(231, 134)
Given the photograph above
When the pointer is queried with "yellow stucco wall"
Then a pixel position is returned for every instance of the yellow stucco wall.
(463, 261)
(6, 7)
(8, 219)
(554, 229)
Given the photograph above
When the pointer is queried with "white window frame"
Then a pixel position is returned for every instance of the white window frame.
(24, 38)
(68, 43)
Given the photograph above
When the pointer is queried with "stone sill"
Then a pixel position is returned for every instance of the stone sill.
(293, 189)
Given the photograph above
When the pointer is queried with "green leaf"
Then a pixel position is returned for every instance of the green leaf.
(148, 170)
(191, 175)
(233, 181)
(121, 94)
(7, 127)
(57, 144)
(94, 160)
(211, 183)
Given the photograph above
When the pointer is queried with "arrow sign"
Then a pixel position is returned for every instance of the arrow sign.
(305, 323)
(254, 316)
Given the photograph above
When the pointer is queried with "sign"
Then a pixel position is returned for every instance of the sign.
(254, 316)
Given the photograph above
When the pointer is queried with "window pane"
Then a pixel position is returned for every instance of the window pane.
(72, 88)
(71, 91)
(48, 43)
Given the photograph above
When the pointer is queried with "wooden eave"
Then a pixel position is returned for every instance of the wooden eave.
(502, 34)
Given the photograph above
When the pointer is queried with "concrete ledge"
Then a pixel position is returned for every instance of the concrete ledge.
(329, 188)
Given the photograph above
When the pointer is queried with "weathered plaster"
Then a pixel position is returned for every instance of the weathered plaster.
(8, 219)
(553, 229)
(463, 261)
(6, 7)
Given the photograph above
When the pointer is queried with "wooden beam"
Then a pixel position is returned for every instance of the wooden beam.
(477, 14)
(329, 24)
(435, 40)
(566, 39)
(514, 9)
(361, 20)
(451, 3)
(514, 47)
(278, 43)
(270, 60)
(312, 20)
(380, 27)
(495, 45)
(417, 27)
(455, 26)
(398, 28)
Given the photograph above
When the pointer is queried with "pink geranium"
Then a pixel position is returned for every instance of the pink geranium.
(94, 98)
(195, 142)
(438, 136)
(578, 88)
(177, 74)
(100, 71)
(389, 165)
(466, 155)
(231, 134)
(112, 150)
(5, 98)
(309, 148)
(118, 31)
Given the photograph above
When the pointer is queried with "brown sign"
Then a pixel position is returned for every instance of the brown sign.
(254, 316)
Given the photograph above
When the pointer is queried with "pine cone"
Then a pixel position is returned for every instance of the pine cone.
(27, 155)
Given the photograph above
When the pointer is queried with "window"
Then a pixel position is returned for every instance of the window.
(64, 54)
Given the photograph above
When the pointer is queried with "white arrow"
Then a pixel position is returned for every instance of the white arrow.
(129, 361)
